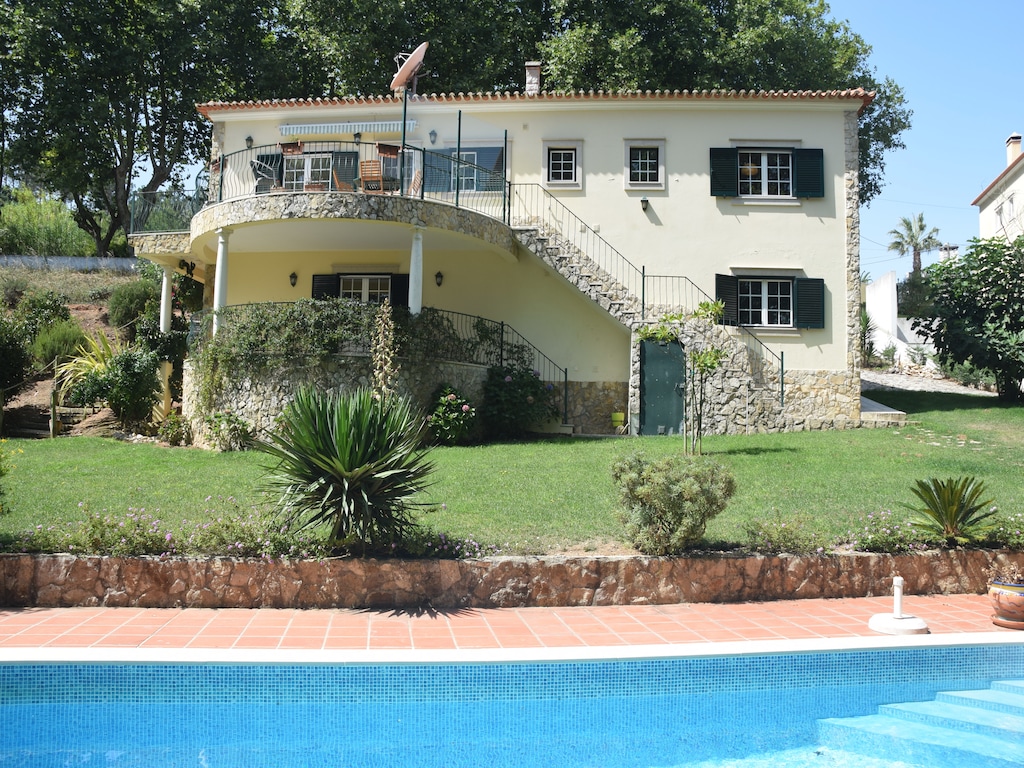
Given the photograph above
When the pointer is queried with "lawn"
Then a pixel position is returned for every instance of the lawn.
(557, 495)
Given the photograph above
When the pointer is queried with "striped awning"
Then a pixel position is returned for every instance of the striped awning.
(322, 129)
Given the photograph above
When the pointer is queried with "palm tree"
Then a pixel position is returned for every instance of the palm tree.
(910, 237)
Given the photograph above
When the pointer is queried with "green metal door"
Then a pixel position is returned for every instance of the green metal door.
(662, 394)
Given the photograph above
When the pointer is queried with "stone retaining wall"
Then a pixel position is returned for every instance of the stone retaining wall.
(66, 580)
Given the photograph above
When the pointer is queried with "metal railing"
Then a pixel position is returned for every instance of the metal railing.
(433, 334)
(165, 211)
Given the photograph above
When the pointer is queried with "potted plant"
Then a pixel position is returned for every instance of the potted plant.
(1006, 591)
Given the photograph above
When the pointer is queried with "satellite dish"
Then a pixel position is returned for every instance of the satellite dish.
(407, 71)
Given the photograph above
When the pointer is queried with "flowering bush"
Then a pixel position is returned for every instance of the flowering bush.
(228, 431)
(516, 401)
(881, 532)
(1009, 533)
(452, 417)
(776, 535)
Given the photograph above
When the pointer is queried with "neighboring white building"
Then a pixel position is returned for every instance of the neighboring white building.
(1001, 205)
(574, 218)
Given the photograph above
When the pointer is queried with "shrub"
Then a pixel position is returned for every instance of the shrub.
(6, 465)
(128, 303)
(1008, 533)
(952, 510)
(227, 431)
(778, 534)
(128, 383)
(57, 343)
(349, 461)
(12, 288)
(669, 502)
(515, 401)
(39, 309)
(92, 358)
(882, 532)
(968, 375)
(175, 430)
(14, 357)
(452, 417)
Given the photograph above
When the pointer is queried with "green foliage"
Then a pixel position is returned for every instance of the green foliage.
(175, 430)
(128, 304)
(228, 431)
(452, 417)
(913, 236)
(515, 402)
(1008, 532)
(15, 358)
(669, 501)
(128, 383)
(92, 357)
(12, 287)
(882, 532)
(952, 509)
(778, 534)
(6, 465)
(349, 461)
(659, 333)
(382, 352)
(866, 333)
(57, 343)
(34, 225)
(979, 311)
(967, 375)
(38, 309)
(912, 296)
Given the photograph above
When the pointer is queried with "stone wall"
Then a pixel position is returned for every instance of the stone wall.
(67, 580)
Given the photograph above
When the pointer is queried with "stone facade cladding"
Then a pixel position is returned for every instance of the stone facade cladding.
(68, 580)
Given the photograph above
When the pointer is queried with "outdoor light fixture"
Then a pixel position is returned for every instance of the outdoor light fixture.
(293, 279)
(356, 137)
(248, 142)
(439, 278)
(433, 137)
(644, 203)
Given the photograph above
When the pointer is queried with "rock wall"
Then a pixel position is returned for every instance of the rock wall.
(66, 580)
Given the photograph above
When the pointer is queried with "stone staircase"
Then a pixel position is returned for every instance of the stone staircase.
(958, 729)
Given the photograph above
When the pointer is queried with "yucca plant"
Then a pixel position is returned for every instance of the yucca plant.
(92, 357)
(351, 461)
(953, 509)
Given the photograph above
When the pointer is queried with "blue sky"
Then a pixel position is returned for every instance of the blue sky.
(959, 65)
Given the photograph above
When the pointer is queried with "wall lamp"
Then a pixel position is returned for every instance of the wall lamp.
(644, 202)
(433, 137)
(439, 278)
(248, 142)
(356, 137)
(293, 279)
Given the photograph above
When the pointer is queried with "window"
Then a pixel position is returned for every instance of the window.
(772, 302)
(467, 172)
(766, 302)
(645, 164)
(368, 289)
(562, 164)
(767, 173)
(300, 170)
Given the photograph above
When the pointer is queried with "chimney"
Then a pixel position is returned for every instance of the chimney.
(533, 83)
(1012, 148)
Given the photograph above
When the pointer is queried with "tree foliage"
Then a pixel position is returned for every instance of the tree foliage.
(913, 236)
(979, 311)
(729, 44)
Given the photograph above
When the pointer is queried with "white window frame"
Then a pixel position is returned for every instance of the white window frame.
(640, 144)
(768, 316)
(574, 147)
(761, 170)
(466, 174)
(373, 288)
(300, 170)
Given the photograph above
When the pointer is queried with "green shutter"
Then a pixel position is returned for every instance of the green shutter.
(326, 287)
(809, 297)
(808, 173)
(725, 172)
(727, 290)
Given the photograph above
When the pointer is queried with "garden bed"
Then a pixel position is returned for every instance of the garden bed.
(500, 582)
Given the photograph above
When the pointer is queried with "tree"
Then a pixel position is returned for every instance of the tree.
(15, 359)
(979, 311)
(729, 44)
(913, 236)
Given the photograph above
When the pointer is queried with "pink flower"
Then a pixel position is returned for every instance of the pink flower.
(508, 379)
(451, 397)
(465, 409)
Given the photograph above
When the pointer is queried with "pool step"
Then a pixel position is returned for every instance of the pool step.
(981, 729)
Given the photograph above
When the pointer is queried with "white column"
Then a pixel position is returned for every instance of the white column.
(220, 286)
(165, 300)
(416, 272)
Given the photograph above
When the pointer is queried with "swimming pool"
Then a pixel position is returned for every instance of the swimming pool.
(624, 712)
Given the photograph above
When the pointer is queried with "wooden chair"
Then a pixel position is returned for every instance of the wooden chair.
(416, 185)
(339, 185)
(371, 177)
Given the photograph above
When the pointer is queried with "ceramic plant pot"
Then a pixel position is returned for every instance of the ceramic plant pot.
(1008, 603)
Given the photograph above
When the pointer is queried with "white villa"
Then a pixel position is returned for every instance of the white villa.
(1001, 205)
(577, 219)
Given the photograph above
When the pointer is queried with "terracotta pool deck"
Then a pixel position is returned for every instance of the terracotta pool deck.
(509, 628)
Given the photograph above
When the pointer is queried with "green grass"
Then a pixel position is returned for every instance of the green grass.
(79, 287)
(557, 495)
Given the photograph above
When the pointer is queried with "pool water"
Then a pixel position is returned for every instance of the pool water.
(701, 712)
